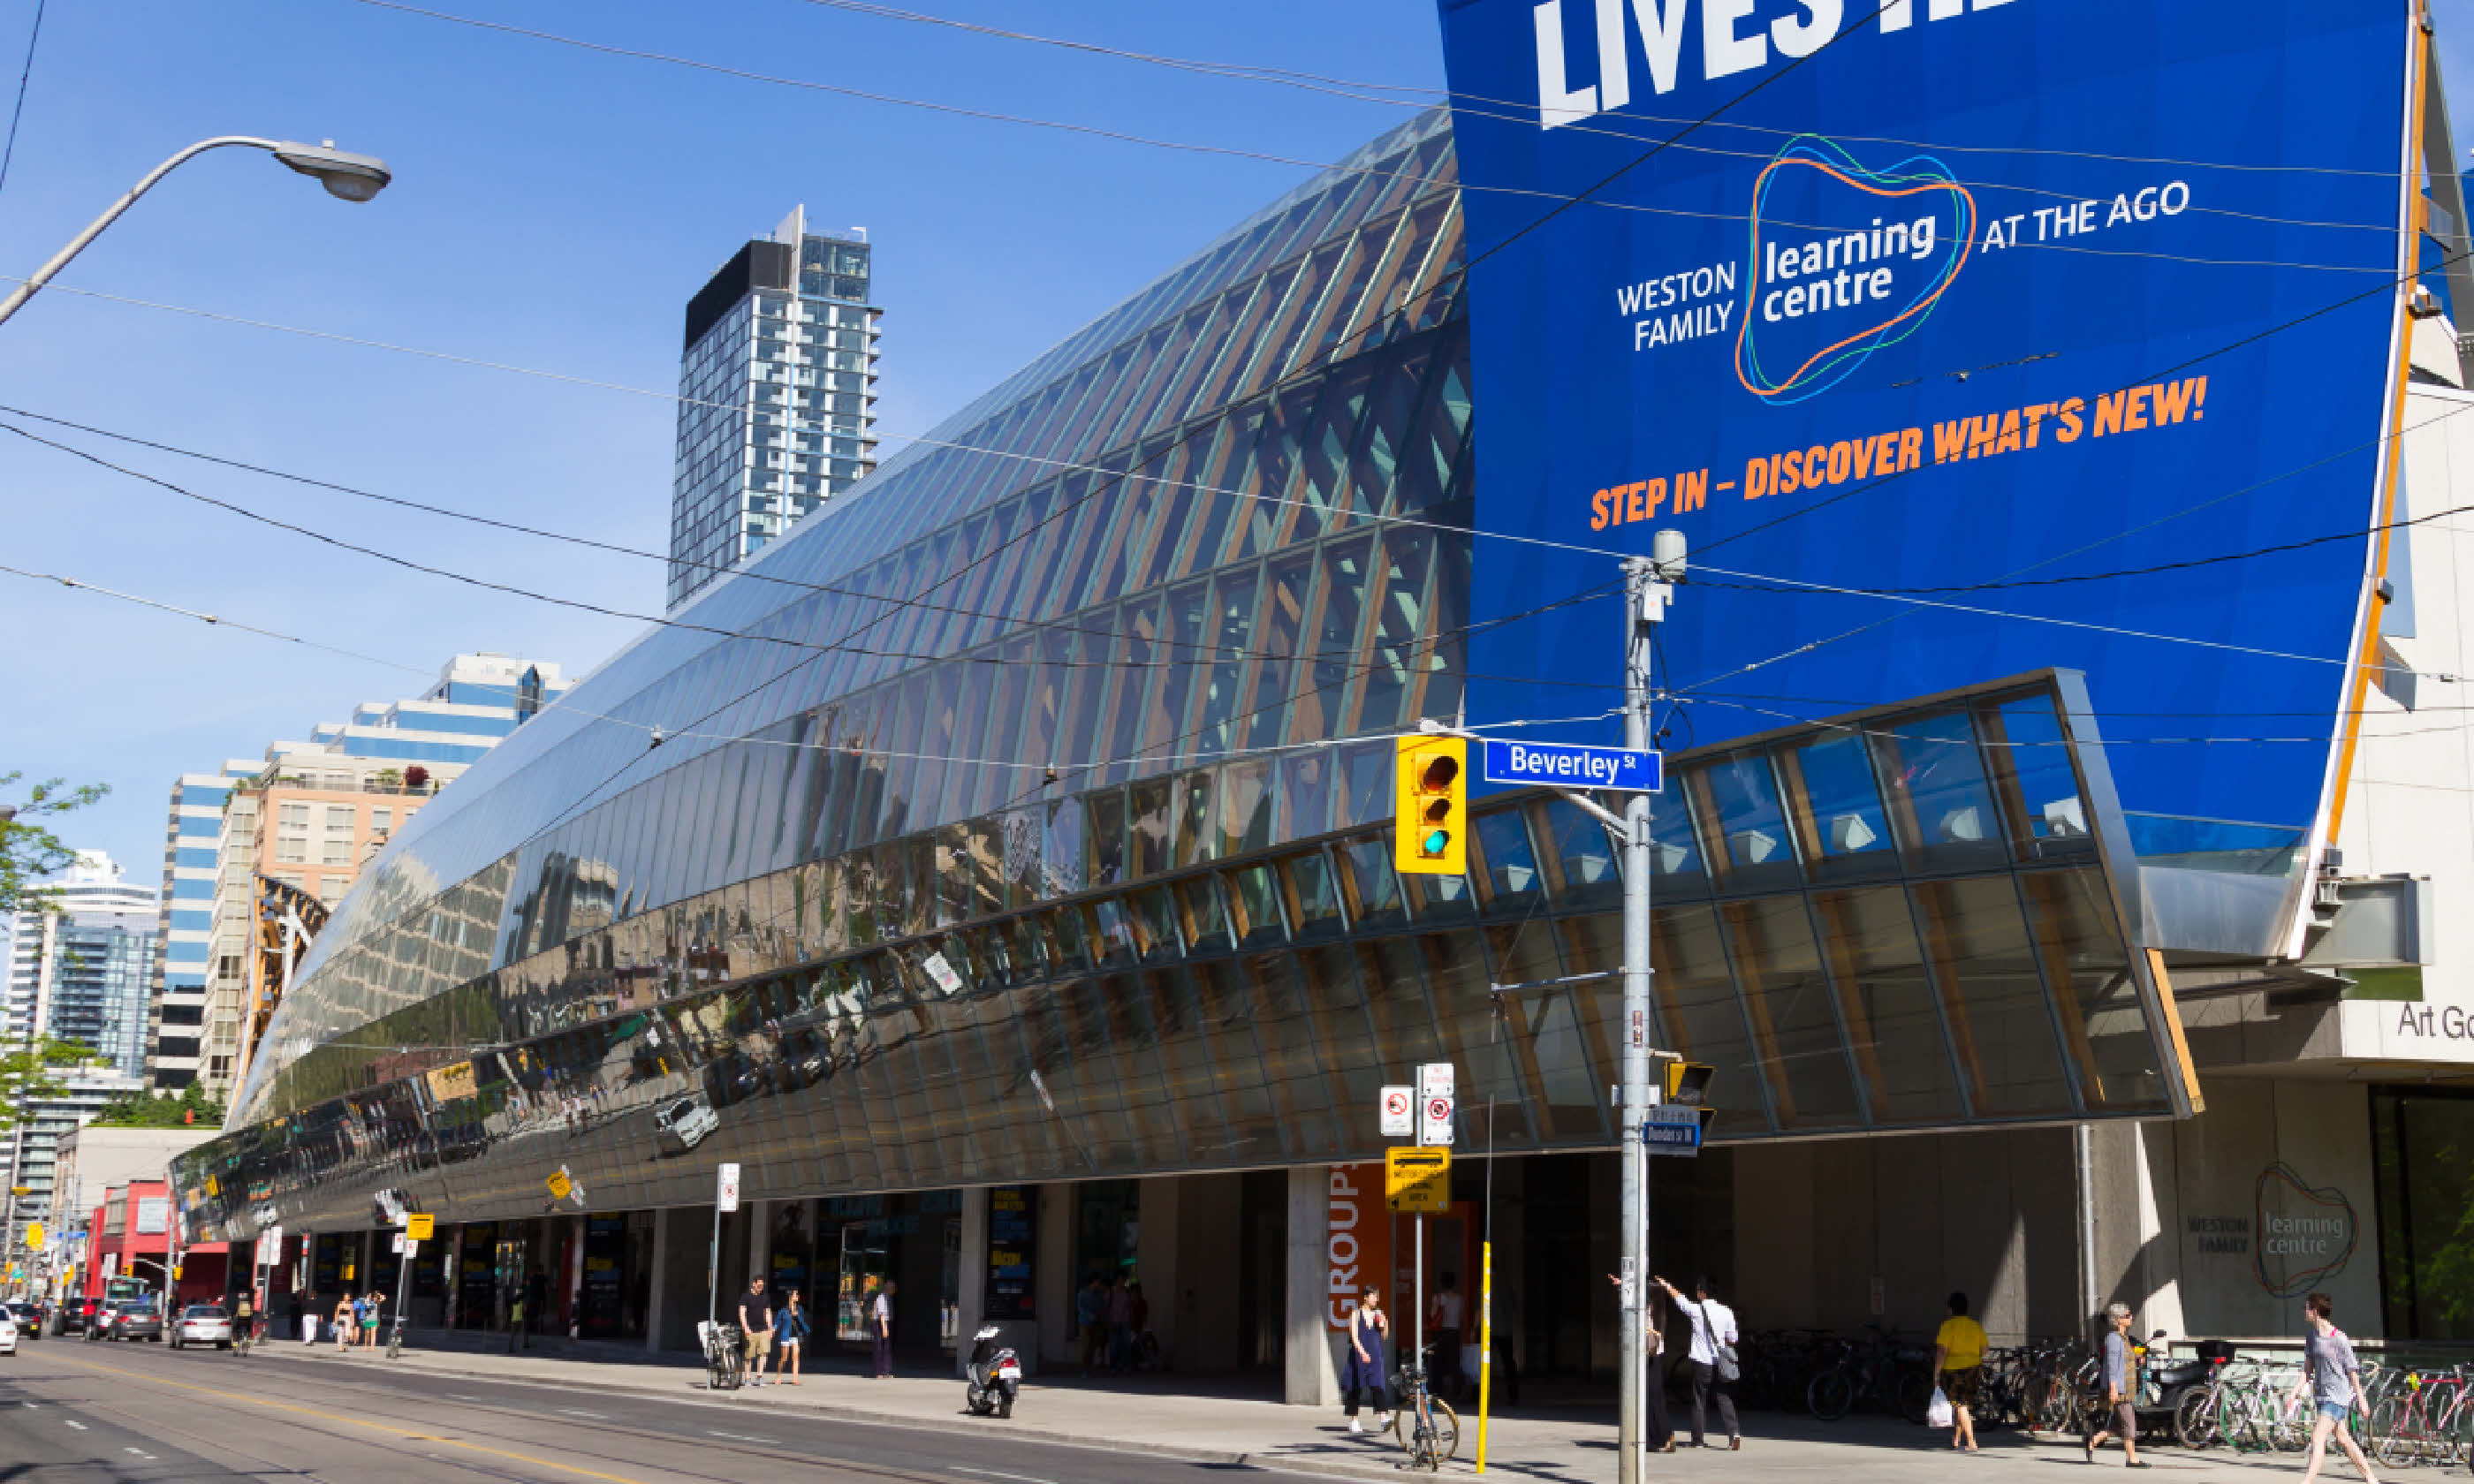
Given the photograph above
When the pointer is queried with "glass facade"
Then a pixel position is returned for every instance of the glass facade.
(1033, 825)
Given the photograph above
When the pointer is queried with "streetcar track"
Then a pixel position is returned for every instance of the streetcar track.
(778, 1454)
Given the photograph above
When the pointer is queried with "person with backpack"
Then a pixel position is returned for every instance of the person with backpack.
(1714, 1359)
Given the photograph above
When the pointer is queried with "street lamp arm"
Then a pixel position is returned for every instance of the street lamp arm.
(350, 176)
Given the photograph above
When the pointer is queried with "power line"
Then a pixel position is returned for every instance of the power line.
(9, 150)
(217, 619)
(1523, 111)
(1125, 136)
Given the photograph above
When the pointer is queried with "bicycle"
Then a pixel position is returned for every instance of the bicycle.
(395, 1337)
(249, 1335)
(1426, 1426)
(1883, 1370)
(724, 1355)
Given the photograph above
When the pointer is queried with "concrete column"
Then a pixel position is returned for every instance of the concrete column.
(656, 1293)
(1209, 1227)
(971, 1289)
(1312, 1378)
(1156, 1258)
(759, 1216)
(1058, 1279)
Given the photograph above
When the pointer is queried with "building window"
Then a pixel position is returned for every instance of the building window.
(339, 816)
(292, 851)
(294, 816)
(338, 851)
(382, 820)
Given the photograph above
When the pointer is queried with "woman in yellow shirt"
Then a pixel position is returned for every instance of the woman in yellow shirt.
(1959, 1351)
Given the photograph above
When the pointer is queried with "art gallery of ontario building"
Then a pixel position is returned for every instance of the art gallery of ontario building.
(997, 871)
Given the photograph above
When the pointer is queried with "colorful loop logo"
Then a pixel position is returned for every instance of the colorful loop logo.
(1916, 175)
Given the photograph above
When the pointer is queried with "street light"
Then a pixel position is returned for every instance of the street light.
(347, 177)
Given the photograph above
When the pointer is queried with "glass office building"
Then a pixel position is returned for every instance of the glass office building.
(1020, 842)
(777, 396)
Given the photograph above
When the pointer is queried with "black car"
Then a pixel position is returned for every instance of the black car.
(75, 1315)
(29, 1318)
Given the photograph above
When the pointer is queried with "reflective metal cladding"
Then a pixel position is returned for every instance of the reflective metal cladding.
(1034, 823)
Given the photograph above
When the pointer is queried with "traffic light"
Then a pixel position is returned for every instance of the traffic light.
(1687, 1083)
(1430, 816)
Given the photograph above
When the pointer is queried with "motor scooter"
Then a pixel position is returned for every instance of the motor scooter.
(994, 1374)
(2167, 1383)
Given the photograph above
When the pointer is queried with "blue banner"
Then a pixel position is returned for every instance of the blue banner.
(1963, 300)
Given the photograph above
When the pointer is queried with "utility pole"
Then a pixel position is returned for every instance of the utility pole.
(1647, 588)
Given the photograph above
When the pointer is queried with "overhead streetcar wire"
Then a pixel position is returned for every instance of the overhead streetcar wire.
(17, 110)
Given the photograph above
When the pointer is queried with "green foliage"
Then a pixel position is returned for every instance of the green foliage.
(28, 851)
(191, 1109)
(28, 1070)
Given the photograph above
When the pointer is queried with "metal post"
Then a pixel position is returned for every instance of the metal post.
(1418, 1296)
(713, 1270)
(1645, 595)
(402, 1283)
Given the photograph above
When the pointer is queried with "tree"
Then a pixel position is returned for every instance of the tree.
(28, 851)
(191, 1109)
(27, 1072)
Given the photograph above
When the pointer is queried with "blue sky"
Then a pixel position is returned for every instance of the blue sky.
(552, 209)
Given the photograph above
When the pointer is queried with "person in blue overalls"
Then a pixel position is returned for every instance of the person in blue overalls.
(1363, 1374)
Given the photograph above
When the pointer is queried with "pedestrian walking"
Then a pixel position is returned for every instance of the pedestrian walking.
(2333, 1381)
(1958, 1357)
(2118, 1397)
(1712, 1359)
(308, 1319)
(1362, 1376)
(1445, 1312)
(1121, 1327)
(370, 1308)
(790, 1327)
(755, 1328)
(1657, 1434)
(881, 1325)
(1091, 1314)
(343, 1321)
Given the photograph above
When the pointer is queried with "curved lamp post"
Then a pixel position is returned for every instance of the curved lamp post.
(347, 177)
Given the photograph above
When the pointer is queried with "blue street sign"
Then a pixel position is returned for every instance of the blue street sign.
(1572, 767)
(1671, 1128)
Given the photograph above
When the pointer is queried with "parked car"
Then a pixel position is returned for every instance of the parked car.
(8, 1330)
(30, 1318)
(203, 1324)
(139, 1319)
(76, 1315)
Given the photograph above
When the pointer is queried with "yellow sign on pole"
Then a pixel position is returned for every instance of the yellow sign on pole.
(420, 1225)
(559, 1186)
(1417, 1179)
(35, 1234)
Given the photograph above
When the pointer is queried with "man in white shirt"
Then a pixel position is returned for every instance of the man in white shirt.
(1714, 1331)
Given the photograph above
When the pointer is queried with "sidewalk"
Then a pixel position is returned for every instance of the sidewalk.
(1573, 1446)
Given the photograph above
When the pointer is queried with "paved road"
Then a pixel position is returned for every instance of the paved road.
(74, 1413)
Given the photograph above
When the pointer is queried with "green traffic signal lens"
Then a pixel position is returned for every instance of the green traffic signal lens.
(1435, 843)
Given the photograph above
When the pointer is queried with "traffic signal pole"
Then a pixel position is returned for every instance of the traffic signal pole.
(1646, 590)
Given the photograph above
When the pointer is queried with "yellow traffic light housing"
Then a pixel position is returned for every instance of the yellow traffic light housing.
(1687, 1083)
(1430, 815)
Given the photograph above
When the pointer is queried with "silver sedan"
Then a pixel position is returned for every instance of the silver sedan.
(203, 1324)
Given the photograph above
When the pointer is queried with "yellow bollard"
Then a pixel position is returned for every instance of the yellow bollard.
(1485, 1341)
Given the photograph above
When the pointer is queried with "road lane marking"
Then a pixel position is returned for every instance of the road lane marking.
(740, 1437)
(351, 1422)
(79, 1426)
(578, 1411)
(991, 1474)
(140, 1452)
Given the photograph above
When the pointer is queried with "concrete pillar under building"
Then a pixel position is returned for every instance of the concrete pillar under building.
(1058, 1279)
(759, 1216)
(1155, 1257)
(657, 1289)
(971, 1290)
(1311, 1377)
